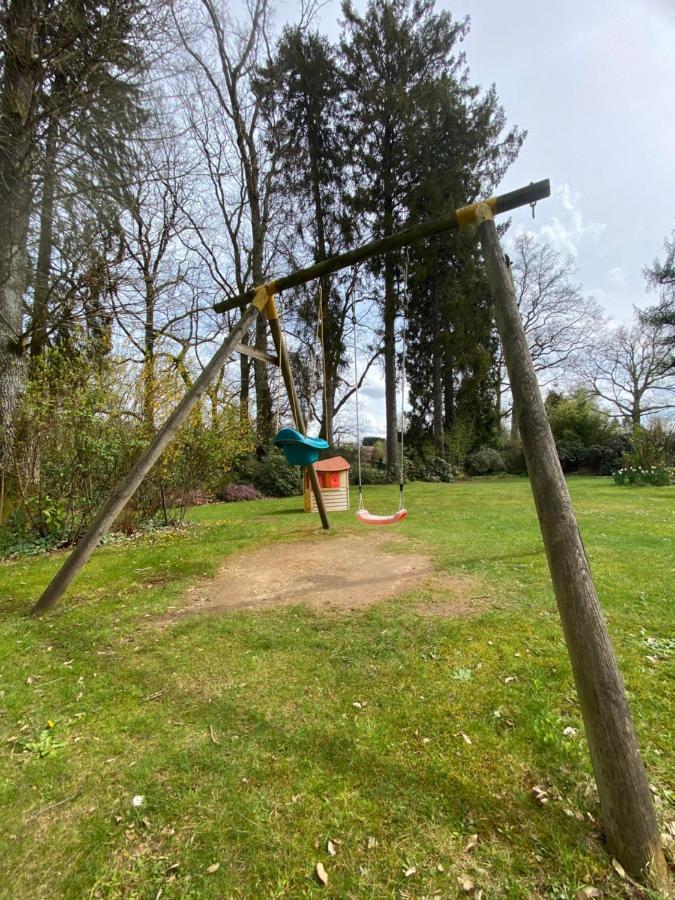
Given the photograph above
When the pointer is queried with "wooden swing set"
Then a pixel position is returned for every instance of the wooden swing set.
(625, 798)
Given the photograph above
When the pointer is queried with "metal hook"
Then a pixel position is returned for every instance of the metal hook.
(533, 204)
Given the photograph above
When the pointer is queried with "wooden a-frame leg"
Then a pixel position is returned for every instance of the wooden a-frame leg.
(280, 347)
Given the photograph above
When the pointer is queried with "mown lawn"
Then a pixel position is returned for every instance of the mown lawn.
(242, 736)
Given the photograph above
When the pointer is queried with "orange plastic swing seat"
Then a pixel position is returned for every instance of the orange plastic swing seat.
(367, 518)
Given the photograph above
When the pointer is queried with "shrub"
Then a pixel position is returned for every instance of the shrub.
(485, 461)
(433, 470)
(271, 475)
(442, 469)
(649, 446)
(514, 458)
(656, 476)
(370, 475)
(586, 437)
(232, 493)
(74, 440)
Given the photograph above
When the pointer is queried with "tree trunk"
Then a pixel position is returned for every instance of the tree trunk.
(329, 407)
(40, 317)
(389, 317)
(263, 395)
(21, 75)
(437, 386)
(244, 388)
(625, 797)
(449, 391)
(149, 377)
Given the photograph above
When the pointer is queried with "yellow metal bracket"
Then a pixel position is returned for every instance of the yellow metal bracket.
(468, 215)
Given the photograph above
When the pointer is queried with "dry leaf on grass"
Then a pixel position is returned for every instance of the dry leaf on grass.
(586, 892)
(473, 840)
(321, 874)
(540, 795)
(465, 737)
(618, 868)
(330, 847)
(466, 884)
(213, 868)
(410, 872)
(372, 842)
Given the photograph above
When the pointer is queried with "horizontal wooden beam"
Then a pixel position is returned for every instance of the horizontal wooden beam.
(458, 218)
(257, 354)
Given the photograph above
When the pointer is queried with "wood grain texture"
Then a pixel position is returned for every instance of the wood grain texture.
(625, 798)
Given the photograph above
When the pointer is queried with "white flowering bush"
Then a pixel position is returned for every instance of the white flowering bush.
(657, 476)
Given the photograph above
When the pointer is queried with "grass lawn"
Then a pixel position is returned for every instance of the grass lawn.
(241, 734)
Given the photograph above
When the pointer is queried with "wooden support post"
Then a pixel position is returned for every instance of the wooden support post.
(125, 491)
(284, 364)
(625, 799)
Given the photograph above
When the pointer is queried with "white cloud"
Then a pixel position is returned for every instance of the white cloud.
(616, 276)
(565, 231)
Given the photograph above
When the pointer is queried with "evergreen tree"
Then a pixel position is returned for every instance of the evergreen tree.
(303, 81)
(423, 139)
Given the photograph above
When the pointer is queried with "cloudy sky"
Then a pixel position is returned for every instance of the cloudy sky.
(594, 86)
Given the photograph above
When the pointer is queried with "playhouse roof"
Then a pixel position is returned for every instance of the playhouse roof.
(334, 464)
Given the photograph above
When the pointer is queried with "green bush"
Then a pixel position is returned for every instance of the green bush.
(271, 475)
(434, 470)
(485, 461)
(80, 428)
(514, 458)
(74, 440)
(370, 475)
(656, 476)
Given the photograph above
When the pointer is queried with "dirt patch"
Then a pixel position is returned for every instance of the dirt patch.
(454, 596)
(335, 575)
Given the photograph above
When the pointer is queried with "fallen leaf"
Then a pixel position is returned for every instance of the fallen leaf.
(372, 842)
(137, 801)
(509, 679)
(570, 732)
(321, 874)
(213, 868)
(466, 884)
(439, 868)
(410, 872)
(473, 840)
(586, 891)
(330, 847)
(357, 704)
(465, 738)
(618, 868)
(540, 795)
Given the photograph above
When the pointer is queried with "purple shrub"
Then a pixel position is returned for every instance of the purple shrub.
(231, 493)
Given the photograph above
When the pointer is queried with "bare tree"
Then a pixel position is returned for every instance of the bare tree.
(155, 301)
(224, 119)
(632, 369)
(559, 321)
